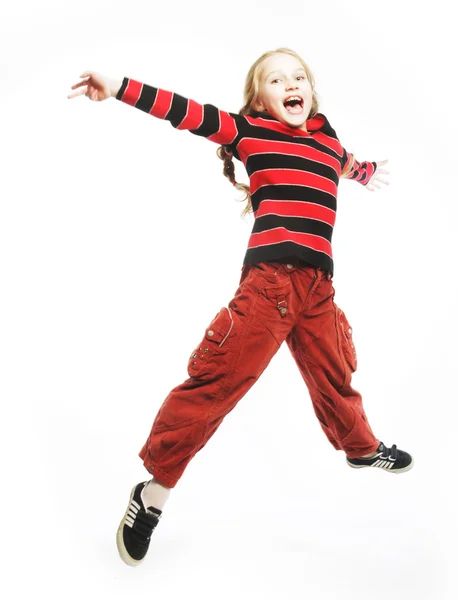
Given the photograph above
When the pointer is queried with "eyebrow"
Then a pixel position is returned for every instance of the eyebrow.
(278, 71)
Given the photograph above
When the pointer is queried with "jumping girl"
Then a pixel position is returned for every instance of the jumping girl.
(294, 160)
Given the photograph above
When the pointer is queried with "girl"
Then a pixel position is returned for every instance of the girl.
(294, 160)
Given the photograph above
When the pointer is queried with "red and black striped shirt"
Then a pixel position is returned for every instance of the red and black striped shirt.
(293, 173)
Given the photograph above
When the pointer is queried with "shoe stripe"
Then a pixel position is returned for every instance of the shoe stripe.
(131, 514)
(133, 508)
(382, 464)
(136, 505)
(129, 521)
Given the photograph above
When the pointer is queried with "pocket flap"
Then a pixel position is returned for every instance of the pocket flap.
(347, 340)
(219, 329)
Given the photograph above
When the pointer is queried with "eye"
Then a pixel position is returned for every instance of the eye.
(275, 80)
(300, 77)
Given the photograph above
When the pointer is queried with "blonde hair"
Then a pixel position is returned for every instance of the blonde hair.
(349, 167)
(250, 97)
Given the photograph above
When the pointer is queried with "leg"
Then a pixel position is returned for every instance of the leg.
(235, 350)
(322, 346)
(238, 345)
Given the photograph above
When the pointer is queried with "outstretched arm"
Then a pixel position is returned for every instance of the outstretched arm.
(366, 173)
(204, 120)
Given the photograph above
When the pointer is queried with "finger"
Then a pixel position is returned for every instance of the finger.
(384, 171)
(78, 93)
(86, 74)
(77, 85)
(382, 180)
(382, 162)
(369, 187)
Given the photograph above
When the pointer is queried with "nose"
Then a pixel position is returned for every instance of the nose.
(291, 84)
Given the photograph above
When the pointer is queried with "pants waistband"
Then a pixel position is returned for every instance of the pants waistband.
(296, 263)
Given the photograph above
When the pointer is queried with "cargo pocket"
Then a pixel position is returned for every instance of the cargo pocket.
(205, 359)
(346, 340)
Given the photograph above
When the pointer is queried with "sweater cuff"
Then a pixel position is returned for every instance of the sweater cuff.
(122, 89)
(369, 176)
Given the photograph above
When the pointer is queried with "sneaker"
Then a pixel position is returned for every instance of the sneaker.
(136, 527)
(388, 459)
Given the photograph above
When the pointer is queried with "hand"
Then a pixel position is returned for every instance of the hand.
(376, 180)
(96, 87)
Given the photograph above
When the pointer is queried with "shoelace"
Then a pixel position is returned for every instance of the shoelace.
(390, 452)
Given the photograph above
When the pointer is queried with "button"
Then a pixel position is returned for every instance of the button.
(289, 265)
(210, 332)
(349, 331)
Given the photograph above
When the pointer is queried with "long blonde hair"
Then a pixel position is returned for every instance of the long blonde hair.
(250, 96)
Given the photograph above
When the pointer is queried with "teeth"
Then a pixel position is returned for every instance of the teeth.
(294, 98)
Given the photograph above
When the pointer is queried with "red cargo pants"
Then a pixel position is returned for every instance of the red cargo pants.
(274, 302)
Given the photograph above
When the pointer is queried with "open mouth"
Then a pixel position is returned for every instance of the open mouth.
(294, 104)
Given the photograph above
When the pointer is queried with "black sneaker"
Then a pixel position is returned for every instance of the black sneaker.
(136, 527)
(388, 459)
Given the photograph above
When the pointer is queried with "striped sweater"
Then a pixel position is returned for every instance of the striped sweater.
(293, 173)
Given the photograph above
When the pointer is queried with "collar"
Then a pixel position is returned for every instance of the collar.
(313, 125)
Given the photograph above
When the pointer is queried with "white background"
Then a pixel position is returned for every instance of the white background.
(120, 239)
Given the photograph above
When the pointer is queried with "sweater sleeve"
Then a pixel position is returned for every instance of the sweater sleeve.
(204, 120)
(360, 171)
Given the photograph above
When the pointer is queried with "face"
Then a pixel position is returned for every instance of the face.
(284, 90)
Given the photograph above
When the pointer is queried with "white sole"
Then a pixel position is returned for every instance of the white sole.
(125, 556)
(380, 469)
